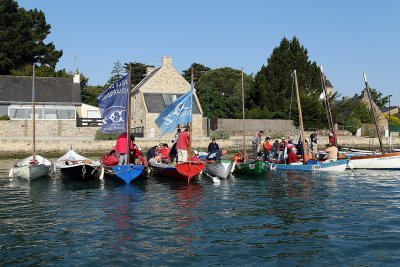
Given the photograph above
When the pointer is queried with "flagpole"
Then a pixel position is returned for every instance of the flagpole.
(244, 124)
(128, 123)
(190, 123)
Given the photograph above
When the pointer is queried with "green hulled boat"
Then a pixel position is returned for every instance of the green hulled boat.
(256, 167)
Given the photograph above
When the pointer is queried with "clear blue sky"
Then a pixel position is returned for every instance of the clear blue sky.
(346, 37)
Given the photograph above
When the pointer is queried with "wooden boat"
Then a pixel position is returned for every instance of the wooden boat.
(123, 173)
(35, 166)
(184, 171)
(384, 160)
(31, 169)
(77, 167)
(220, 169)
(327, 166)
(252, 167)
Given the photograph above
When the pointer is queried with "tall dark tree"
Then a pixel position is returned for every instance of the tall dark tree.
(22, 35)
(274, 82)
(138, 71)
(198, 71)
(378, 98)
(117, 73)
(219, 92)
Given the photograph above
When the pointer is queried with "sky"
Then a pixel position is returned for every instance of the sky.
(347, 38)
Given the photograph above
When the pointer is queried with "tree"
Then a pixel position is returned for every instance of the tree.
(198, 71)
(220, 92)
(22, 38)
(352, 124)
(116, 73)
(41, 71)
(138, 71)
(378, 99)
(274, 83)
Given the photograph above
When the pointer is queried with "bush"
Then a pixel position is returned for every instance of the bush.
(220, 134)
(352, 124)
(4, 118)
(105, 136)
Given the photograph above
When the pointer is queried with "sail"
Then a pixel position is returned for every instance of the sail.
(113, 103)
(177, 113)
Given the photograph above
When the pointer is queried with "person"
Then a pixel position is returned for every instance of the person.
(331, 138)
(165, 154)
(213, 146)
(195, 156)
(135, 153)
(275, 149)
(182, 145)
(314, 146)
(216, 155)
(332, 152)
(267, 148)
(120, 148)
(178, 131)
(292, 156)
(151, 153)
(256, 142)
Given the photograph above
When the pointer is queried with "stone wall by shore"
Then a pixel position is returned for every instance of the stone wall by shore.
(57, 147)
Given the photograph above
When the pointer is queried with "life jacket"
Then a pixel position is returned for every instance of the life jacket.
(266, 146)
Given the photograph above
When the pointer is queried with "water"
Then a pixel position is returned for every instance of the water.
(282, 219)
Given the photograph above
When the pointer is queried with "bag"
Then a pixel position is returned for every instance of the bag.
(109, 159)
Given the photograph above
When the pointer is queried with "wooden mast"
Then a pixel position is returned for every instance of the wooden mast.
(33, 115)
(128, 123)
(190, 123)
(328, 106)
(244, 124)
(300, 116)
(373, 113)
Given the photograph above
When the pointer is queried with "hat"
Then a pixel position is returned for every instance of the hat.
(283, 138)
(330, 134)
(290, 146)
(196, 152)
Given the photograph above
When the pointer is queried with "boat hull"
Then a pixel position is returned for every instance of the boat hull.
(24, 168)
(389, 161)
(184, 171)
(219, 169)
(124, 173)
(253, 168)
(333, 166)
(81, 172)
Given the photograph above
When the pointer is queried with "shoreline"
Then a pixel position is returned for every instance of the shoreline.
(58, 147)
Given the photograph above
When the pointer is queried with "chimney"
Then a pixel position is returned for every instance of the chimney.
(166, 60)
(149, 70)
(77, 77)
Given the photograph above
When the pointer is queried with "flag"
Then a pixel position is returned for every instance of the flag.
(178, 112)
(113, 105)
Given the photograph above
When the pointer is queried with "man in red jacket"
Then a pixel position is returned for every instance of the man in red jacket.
(120, 147)
(182, 145)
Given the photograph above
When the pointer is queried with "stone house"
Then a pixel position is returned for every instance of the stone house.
(158, 89)
(381, 120)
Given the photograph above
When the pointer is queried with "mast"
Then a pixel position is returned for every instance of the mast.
(33, 114)
(328, 106)
(373, 113)
(300, 115)
(128, 123)
(190, 123)
(244, 124)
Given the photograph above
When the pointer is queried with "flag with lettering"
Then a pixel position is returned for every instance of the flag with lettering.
(177, 113)
(113, 105)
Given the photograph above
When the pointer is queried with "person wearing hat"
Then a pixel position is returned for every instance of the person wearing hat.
(292, 155)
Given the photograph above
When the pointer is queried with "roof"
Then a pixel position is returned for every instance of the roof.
(151, 74)
(48, 90)
(386, 109)
(155, 102)
(328, 84)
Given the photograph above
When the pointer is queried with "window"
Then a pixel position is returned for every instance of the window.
(51, 112)
(168, 99)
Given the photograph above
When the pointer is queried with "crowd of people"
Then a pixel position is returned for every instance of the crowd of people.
(278, 151)
(286, 151)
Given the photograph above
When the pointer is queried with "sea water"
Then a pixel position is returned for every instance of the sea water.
(278, 219)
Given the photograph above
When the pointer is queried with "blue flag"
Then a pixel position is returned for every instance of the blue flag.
(178, 112)
(113, 105)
